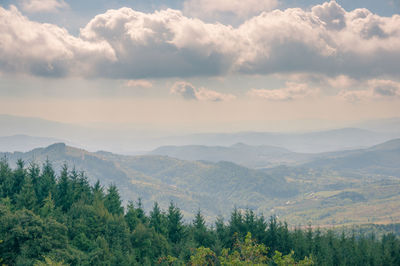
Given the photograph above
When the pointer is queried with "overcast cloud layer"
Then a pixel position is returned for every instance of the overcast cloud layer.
(128, 44)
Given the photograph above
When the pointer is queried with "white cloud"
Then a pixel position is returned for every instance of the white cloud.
(139, 83)
(162, 44)
(292, 91)
(46, 50)
(190, 92)
(215, 9)
(326, 40)
(33, 6)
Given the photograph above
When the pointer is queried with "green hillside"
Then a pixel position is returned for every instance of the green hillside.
(214, 187)
(341, 188)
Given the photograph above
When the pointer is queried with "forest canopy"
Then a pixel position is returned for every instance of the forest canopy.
(62, 219)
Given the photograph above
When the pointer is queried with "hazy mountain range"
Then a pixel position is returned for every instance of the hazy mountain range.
(329, 188)
(129, 139)
(240, 153)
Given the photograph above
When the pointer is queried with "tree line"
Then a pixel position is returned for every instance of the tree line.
(61, 219)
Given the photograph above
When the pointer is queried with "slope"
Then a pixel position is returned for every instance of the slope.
(214, 187)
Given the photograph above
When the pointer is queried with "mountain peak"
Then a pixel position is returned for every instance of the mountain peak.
(60, 146)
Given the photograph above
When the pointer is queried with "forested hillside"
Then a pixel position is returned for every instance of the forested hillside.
(60, 219)
(214, 187)
(340, 188)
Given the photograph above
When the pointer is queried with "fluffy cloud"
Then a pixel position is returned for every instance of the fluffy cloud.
(326, 40)
(33, 6)
(190, 92)
(45, 49)
(207, 9)
(376, 89)
(162, 44)
(290, 92)
(139, 83)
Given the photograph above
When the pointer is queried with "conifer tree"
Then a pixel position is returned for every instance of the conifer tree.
(174, 224)
(112, 201)
(19, 177)
(200, 233)
(158, 219)
(46, 182)
(131, 216)
(27, 196)
(65, 196)
(6, 178)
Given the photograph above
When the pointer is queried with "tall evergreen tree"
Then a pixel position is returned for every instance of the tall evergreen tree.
(174, 224)
(34, 174)
(47, 182)
(157, 219)
(65, 197)
(6, 178)
(131, 216)
(19, 177)
(27, 196)
(112, 201)
(200, 232)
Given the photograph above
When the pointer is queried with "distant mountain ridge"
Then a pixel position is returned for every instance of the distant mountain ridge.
(215, 187)
(240, 153)
(129, 139)
(329, 187)
(379, 159)
(310, 142)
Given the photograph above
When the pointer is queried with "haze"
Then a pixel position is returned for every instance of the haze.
(199, 66)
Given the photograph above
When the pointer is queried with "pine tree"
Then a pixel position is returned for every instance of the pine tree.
(131, 216)
(174, 224)
(46, 182)
(141, 215)
(200, 234)
(6, 178)
(65, 195)
(27, 197)
(34, 174)
(112, 201)
(158, 220)
(19, 177)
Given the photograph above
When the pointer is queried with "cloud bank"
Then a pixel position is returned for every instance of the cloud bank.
(127, 44)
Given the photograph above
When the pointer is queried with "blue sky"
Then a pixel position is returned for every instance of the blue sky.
(201, 65)
(80, 12)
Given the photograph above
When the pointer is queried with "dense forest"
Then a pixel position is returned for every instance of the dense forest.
(61, 219)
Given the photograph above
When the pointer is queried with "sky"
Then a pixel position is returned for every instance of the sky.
(201, 65)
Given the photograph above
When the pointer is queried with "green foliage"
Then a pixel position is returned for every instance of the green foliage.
(79, 224)
(203, 256)
(112, 201)
(174, 224)
(158, 220)
(245, 253)
(27, 197)
(49, 262)
(288, 260)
